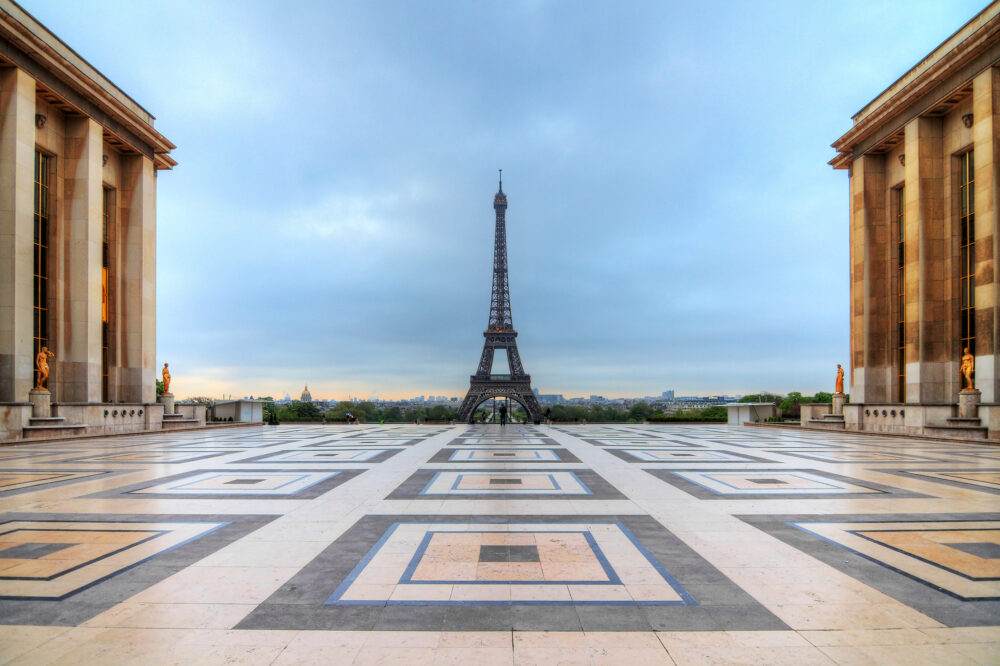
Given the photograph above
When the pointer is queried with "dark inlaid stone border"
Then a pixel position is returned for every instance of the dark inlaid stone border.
(263, 459)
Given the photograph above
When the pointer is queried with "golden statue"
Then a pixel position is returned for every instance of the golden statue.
(42, 364)
(166, 379)
(840, 380)
(967, 368)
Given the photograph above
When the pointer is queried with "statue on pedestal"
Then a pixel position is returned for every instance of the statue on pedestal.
(967, 368)
(166, 379)
(42, 365)
(840, 381)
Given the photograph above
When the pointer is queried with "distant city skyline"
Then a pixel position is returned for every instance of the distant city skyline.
(673, 220)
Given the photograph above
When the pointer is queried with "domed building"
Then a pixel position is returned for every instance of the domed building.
(306, 396)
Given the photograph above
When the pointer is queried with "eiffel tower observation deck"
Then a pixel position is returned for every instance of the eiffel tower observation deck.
(512, 381)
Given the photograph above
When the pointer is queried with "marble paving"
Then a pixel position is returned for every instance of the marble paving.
(599, 544)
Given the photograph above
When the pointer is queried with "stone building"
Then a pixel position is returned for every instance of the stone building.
(78, 168)
(922, 161)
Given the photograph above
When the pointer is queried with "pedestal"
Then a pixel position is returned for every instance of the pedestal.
(167, 400)
(968, 404)
(41, 403)
(839, 400)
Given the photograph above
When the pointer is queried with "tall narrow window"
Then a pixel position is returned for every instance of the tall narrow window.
(967, 254)
(105, 295)
(900, 297)
(40, 310)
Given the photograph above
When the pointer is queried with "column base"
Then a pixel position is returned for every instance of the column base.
(839, 400)
(41, 403)
(968, 403)
(167, 400)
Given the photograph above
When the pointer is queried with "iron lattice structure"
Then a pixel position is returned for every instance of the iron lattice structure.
(500, 334)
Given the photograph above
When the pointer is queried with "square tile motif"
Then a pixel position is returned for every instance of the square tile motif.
(328, 456)
(961, 557)
(848, 456)
(500, 573)
(503, 441)
(947, 569)
(16, 481)
(445, 565)
(51, 560)
(245, 484)
(359, 443)
(491, 483)
(504, 455)
(761, 484)
(143, 457)
(508, 484)
(682, 456)
(976, 478)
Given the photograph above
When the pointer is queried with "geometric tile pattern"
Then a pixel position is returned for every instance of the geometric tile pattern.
(503, 455)
(495, 573)
(979, 478)
(15, 481)
(762, 484)
(80, 554)
(369, 455)
(481, 564)
(944, 567)
(245, 484)
(577, 528)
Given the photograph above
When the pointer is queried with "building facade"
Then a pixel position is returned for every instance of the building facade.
(78, 167)
(922, 161)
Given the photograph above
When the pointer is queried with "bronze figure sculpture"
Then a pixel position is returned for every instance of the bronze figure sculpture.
(967, 368)
(42, 365)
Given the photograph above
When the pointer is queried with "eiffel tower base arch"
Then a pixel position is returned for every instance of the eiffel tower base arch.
(517, 390)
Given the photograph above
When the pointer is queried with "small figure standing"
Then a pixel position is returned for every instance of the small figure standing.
(166, 379)
(42, 364)
(503, 413)
(967, 368)
(839, 390)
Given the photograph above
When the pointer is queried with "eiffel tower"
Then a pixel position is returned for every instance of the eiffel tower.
(500, 334)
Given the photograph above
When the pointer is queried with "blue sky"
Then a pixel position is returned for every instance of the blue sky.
(673, 223)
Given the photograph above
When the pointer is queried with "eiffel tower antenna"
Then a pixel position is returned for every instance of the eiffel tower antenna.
(515, 384)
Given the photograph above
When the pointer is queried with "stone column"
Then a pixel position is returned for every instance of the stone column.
(986, 124)
(932, 377)
(137, 302)
(870, 354)
(839, 400)
(17, 164)
(78, 335)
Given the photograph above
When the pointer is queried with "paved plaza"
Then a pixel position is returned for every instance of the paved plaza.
(411, 544)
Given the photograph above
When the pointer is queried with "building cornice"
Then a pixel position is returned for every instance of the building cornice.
(78, 84)
(930, 83)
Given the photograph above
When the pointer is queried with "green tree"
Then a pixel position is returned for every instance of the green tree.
(159, 387)
(640, 411)
(761, 397)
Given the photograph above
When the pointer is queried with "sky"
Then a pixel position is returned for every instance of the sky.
(672, 223)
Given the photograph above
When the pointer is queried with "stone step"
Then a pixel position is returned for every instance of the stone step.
(827, 424)
(959, 421)
(173, 424)
(833, 417)
(957, 431)
(173, 417)
(47, 420)
(43, 431)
